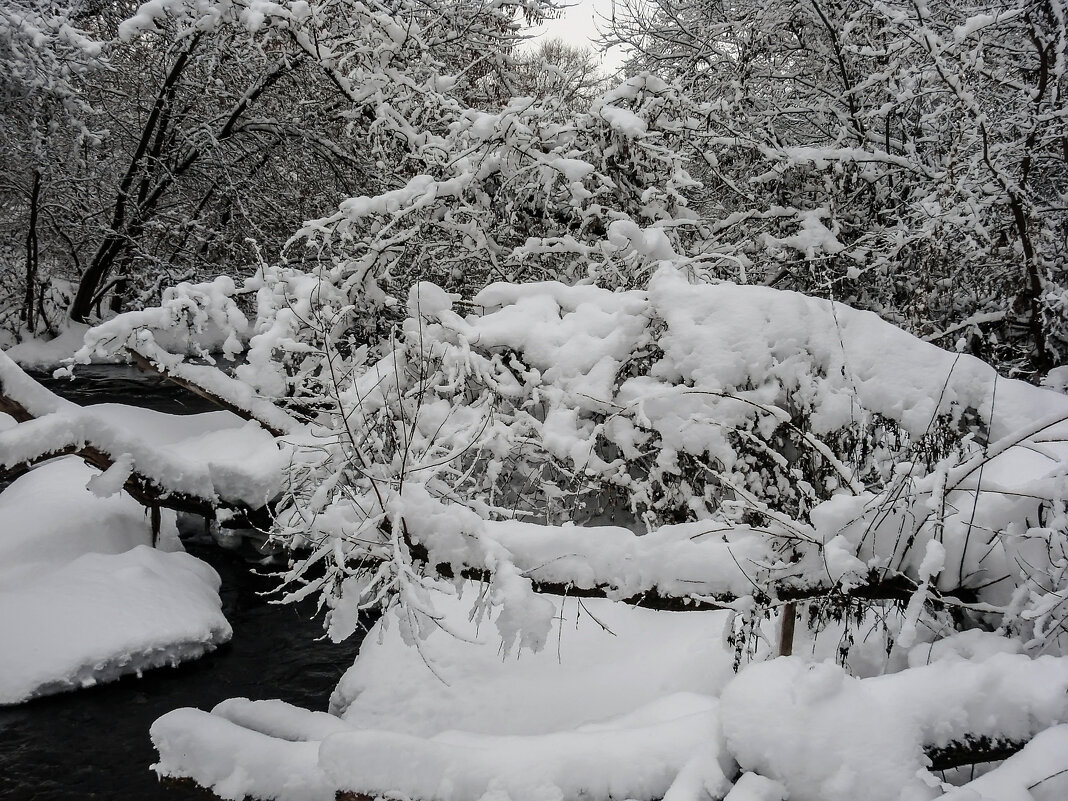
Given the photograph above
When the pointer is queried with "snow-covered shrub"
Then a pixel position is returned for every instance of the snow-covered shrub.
(876, 153)
(843, 463)
(850, 463)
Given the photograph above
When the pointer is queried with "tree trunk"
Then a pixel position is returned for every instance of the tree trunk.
(28, 305)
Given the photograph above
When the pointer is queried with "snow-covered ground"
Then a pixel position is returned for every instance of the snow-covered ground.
(84, 595)
(630, 703)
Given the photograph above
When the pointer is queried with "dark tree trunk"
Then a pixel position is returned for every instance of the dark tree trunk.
(28, 305)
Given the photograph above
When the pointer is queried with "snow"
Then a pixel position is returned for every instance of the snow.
(236, 761)
(41, 354)
(629, 703)
(101, 617)
(465, 684)
(624, 121)
(754, 787)
(214, 455)
(785, 719)
(634, 756)
(43, 516)
(84, 597)
(876, 728)
(620, 705)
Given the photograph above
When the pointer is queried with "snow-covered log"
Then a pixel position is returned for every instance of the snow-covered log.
(196, 463)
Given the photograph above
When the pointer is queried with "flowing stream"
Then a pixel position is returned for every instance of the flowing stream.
(94, 743)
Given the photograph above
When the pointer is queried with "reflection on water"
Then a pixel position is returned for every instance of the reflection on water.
(94, 744)
(117, 383)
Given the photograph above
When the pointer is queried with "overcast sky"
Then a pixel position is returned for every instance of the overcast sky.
(579, 26)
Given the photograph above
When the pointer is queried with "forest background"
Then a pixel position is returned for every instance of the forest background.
(907, 158)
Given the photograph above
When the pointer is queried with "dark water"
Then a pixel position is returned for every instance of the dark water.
(94, 744)
(114, 383)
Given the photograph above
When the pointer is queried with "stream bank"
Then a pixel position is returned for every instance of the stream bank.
(94, 743)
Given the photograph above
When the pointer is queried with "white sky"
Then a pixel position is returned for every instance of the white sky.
(578, 26)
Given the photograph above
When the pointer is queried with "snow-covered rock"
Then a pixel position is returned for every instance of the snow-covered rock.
(84, 597)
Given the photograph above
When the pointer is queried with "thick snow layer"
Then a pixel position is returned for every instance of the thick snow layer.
(621, 704)
(212, 456)
(465, 684)
(727, 337)
(635, 756)
(818, 732)
(826, 735)
(35, 398)
(238, 761)
(84, 598)
(40, 354)
(48, 519)
(103, 616)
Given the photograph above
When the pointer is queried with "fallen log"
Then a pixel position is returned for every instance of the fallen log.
(150, 494)
(895, 587)
(141, 488)
(145, 365)
(14, 408)
(972, 751)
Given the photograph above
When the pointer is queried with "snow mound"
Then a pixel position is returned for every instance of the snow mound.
(237, 759)
(619, 708)
(83, 597)
(827, 736)
(633, 704)
(465, 684)
(635, 756)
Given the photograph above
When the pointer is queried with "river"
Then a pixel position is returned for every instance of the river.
(94, 743)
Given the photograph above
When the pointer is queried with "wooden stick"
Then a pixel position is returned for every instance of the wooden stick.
(787, 619)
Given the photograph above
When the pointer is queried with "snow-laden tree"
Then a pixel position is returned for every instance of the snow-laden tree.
(45, 121)
(778, 450)
(228, 124)
(905, 157)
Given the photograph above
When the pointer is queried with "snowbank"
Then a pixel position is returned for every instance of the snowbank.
(460, 681)
(635, 756)
(825, 735)
(39, 354)
(618, 707)
(630, 704)
(84, 598)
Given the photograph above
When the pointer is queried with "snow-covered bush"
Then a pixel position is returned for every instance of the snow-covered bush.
(844, 463)
(814, 453)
